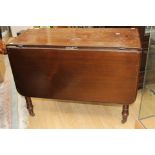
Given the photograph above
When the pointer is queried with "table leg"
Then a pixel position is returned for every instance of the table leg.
(29, 105)
(125, 113)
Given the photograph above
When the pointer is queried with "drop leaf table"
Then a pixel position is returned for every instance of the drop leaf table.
(95, 65)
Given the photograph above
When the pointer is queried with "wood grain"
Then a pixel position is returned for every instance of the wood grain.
(89, 37)
(83, 75)
(59, 114)
(89, 65)
(138, 125)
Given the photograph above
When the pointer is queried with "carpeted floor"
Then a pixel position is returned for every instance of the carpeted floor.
(5, 100)
(13, 112)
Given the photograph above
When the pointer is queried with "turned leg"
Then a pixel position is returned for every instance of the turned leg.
(125, 113)
(29, 105)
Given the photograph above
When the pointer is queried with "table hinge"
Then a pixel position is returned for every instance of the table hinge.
(71, 48)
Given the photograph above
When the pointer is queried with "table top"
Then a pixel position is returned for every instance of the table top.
(80, 37)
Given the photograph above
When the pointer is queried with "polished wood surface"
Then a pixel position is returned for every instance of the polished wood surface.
(89, 37)
(91, 65)
(29, 105)
(125, 113)
(87, 75)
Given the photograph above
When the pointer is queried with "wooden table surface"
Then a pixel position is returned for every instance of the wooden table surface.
(104, 68)
(81, 37)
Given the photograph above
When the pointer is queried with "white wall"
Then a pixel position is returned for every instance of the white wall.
(16, 29)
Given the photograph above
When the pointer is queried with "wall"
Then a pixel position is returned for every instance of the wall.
(16, 29)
